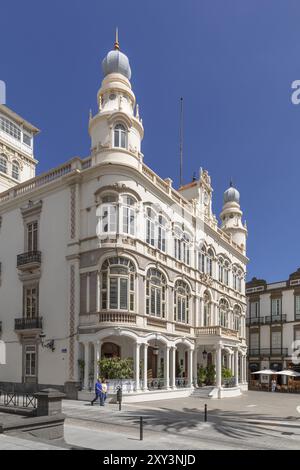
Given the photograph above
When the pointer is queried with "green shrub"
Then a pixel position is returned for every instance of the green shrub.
(116, 368)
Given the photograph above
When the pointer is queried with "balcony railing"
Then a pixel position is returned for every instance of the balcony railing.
(268, 352)
(255, 321)
(117, 317)
(28, 323)
(275, 319)
(31, 258)
(216, 331)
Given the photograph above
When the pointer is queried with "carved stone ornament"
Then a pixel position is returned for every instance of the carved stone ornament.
(206, 279)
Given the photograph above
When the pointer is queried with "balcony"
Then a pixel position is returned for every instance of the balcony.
(117, 317)
(275, 319)
(29, 323)
(268, 352)
(29, 260)
(255, 321)
(216, 331)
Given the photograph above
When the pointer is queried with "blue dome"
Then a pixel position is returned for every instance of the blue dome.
(231, 195)
(116, 62)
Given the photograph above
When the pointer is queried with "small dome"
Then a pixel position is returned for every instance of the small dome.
(116, 62)
(231, 195)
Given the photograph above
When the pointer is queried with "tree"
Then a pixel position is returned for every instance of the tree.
(201, 375)
(210, 374)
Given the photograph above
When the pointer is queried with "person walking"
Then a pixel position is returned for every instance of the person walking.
(98, 391)
(103, 393)
(273, 385)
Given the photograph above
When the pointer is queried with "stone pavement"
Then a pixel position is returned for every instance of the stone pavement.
(12, 442)
(257, 420)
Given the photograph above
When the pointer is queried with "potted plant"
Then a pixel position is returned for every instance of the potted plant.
(201, 376)
(226, 376)
(210, 374)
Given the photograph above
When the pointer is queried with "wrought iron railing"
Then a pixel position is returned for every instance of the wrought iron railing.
(28, 323)
(275, 319)
(21, 400)
(255, 320)
(268, 352)
(29, 258)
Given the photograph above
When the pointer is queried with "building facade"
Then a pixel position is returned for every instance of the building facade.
(273, 324)
(103, 258)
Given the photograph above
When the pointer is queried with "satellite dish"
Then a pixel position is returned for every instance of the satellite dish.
(2, 353)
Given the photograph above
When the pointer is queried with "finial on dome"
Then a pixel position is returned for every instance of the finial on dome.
(117, 46)
(230, 183)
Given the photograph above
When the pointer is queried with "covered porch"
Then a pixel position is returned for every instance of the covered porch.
(159, 364)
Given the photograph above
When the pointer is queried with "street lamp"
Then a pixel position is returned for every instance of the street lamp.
(204, 354)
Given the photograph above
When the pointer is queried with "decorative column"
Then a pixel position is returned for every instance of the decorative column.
(173, 367)
(190, 368)
(97, 357)
(86, 365)
(145, 386)
(167, 367)
(137, 366)
(219, 366)
(236, 368)
(195, 366)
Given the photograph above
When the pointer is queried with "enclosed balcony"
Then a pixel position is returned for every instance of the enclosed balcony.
(29, 260)
(35, 323)
(255, 321)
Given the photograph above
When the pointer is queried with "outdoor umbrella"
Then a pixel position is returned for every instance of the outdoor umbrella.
(288, 372)
(265, 372)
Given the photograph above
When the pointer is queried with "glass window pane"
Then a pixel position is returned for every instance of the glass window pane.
(113, 293)
(123, 293)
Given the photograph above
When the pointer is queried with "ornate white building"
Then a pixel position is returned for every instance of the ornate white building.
(101, 257)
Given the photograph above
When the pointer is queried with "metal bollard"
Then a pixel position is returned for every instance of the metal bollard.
(141, 428)
(205, 412)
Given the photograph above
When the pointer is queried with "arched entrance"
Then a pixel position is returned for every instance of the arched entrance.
(109, 350)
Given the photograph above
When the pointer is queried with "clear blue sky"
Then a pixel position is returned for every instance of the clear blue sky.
(233, 62)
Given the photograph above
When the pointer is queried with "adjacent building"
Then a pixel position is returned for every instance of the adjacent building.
(101, 257)
(273, 323)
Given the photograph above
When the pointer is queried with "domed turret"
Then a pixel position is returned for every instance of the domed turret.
(116, 62)
(231, 217)
(231, 195)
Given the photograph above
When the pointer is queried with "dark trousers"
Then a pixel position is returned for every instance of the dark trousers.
(96, 398)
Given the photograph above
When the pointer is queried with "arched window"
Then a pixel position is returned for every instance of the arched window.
(234, 277)
(128, 214)
(206, 309)
(120, 136)
(182, 243)
(223, 313)
(210, 257)
(237, 318)
(156, 287)
(15, 170)
(150, 226)
(221, 269)
(3, 163)
(226, 272)
(162, 224)
(117, 284)
(108, 219)
(202, 260)
(181, 302)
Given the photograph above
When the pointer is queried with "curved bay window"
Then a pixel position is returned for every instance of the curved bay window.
(120, 136)
(181, 302)
(223, 313)
(128, 214)
(117, 284)
(206, 309)
(3, 163)
(156, 287)
(15, 170)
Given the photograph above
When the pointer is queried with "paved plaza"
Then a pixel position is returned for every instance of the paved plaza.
(256, 420)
